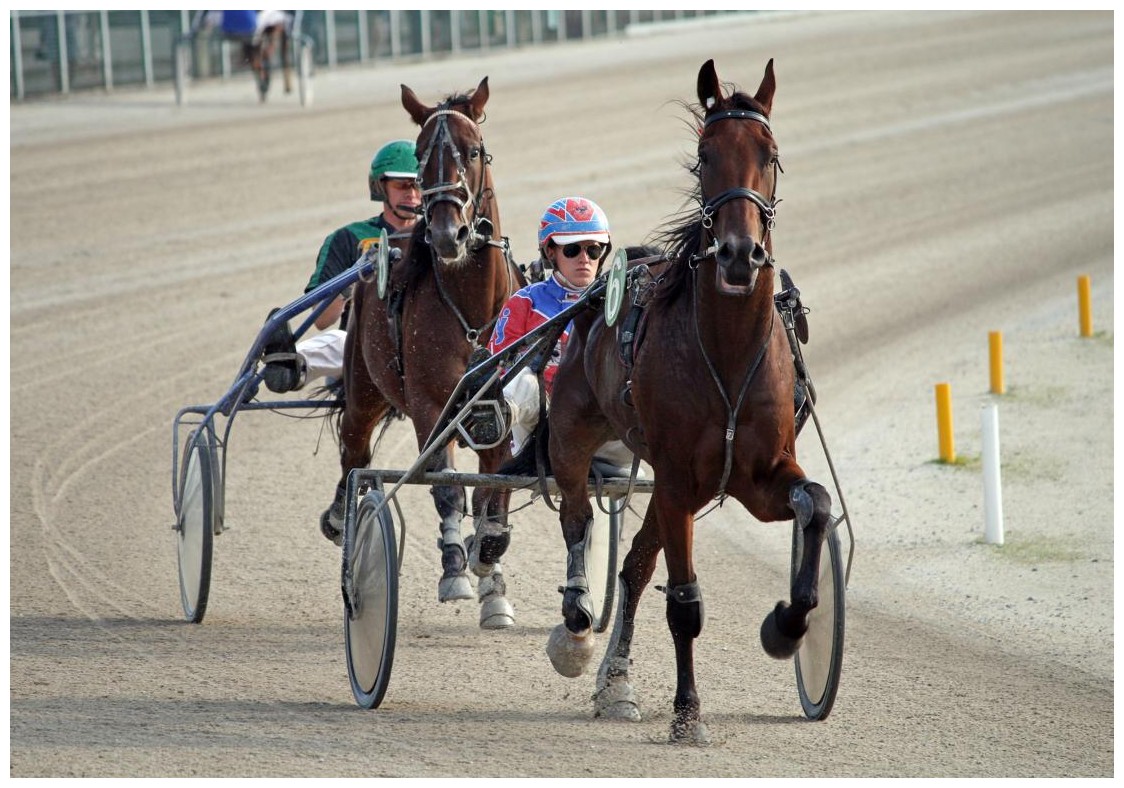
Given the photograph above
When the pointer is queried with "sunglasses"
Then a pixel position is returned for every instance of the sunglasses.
(593, 250)
(403, 184)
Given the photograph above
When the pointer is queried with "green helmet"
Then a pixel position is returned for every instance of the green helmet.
(394, 160)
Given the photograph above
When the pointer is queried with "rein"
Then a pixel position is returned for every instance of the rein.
(731, 412)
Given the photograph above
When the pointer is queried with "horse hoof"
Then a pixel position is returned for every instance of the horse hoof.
(331, 533)
(569, 653)
(616, 701)
(775, 642)
(496, 613)
(689, 732)
(454, 588)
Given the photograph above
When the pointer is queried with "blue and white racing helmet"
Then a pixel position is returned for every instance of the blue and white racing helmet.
(573, 219)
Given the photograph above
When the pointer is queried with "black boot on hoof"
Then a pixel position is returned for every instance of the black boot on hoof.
(774, 640)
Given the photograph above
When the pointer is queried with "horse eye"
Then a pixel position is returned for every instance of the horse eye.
(474, 153)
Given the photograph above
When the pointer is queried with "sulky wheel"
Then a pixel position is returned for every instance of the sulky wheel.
(601, 560)
(819, 660)
(196, 520)
(370, 590)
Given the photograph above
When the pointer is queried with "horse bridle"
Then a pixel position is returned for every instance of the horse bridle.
(766, 205)
(480, 228)
(446, 191)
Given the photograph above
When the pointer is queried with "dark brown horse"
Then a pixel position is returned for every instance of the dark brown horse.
(707, 401)
(258, 52)
(405, 353)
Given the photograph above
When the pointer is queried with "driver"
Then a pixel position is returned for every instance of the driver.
(573, 242)
(392, 180)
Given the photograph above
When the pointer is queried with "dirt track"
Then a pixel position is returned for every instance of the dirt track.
(946, 175)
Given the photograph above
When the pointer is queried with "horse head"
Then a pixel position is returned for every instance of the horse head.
(452, 172)
(737, 168)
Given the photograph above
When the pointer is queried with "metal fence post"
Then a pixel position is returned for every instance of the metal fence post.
(146, 49)
(17, 59)
(536, 27)
(364, 54)
(330, 33)
(426, 35)
(106, 51)
(455, 23)
(586, 24)
(485, 30)
(64, 57)
(509, 28)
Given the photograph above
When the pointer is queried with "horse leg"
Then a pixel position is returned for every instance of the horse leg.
(783, 629)
(570, 646)
(286, 61)
(615, 698)
(449, 501)
(490, 541)
(363, 408)
(684, 617)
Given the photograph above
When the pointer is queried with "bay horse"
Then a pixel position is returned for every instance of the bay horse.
(406, 353)
(708, 401)
(258, 52)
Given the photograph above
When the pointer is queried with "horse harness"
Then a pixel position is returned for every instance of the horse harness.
(481, 229)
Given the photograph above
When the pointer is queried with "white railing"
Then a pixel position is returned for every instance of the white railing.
(56, 52)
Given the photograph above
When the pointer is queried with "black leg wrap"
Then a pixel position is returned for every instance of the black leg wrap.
(575, 612)
(449, 501)
(577, 607)
(493, 545)
(685, 612)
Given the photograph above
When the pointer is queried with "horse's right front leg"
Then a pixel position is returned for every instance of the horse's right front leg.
(615, 698)
(356, 425)
(449, 501)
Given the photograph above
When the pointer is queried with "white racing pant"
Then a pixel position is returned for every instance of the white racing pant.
(522, 395)
(323, 355)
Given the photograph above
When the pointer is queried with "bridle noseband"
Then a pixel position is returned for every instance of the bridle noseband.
(447, 191)
(766, 205)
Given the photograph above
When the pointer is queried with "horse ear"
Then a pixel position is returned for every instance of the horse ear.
(710, 91)
(418, 111)
(764, 95)
(479, 99)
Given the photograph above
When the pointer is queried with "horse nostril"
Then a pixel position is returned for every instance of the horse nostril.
(759, 256)
(462, 235)
(725, 254)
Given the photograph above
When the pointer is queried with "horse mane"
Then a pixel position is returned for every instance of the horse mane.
(417, 262)
(680, 236)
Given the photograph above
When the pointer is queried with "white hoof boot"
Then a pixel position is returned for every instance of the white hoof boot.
(495, 611)
(569, 653)
(454, 588)
(616, 701)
